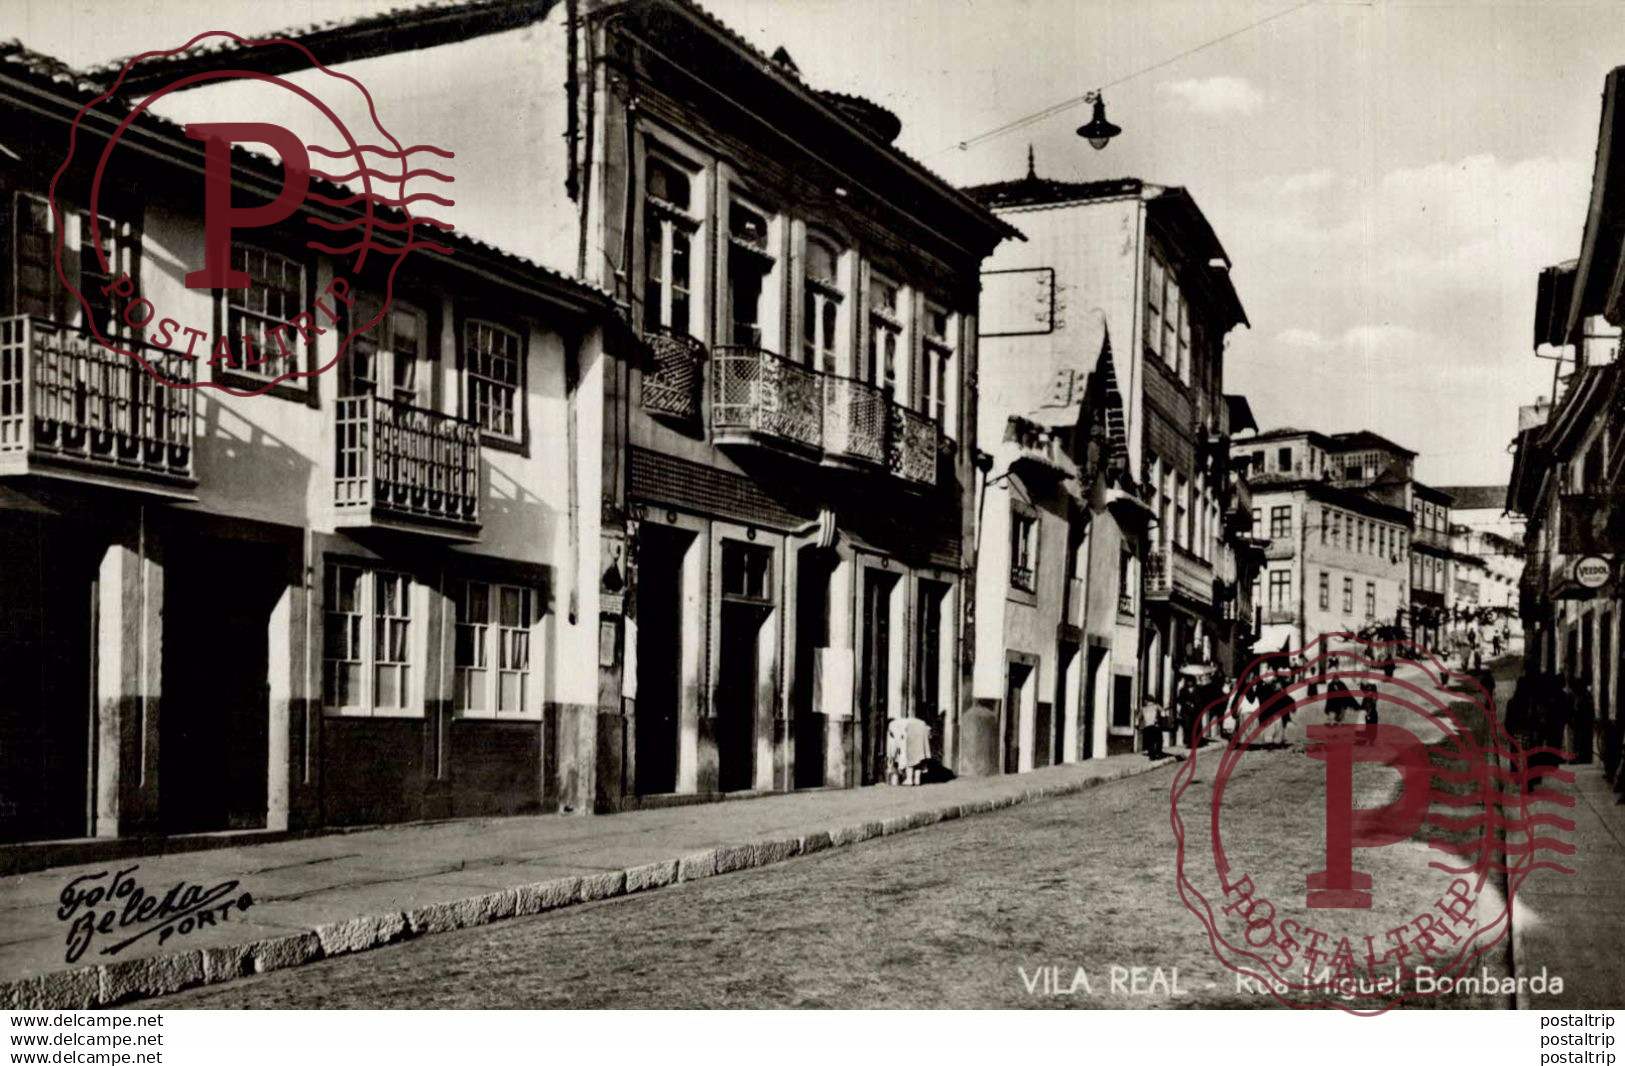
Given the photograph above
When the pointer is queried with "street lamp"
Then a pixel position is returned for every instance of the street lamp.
(1097, 131)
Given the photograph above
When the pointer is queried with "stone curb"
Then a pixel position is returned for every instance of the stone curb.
(117, 983)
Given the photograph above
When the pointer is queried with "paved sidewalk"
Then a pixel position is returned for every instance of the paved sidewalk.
(322, 896)
(1571, 925)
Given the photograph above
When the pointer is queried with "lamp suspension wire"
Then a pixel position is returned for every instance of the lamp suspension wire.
(1089, 97)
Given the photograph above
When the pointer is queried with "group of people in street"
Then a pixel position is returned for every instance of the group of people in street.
(1194, 695)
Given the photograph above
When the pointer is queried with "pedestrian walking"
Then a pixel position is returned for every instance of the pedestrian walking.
(1368, 703)
(1338, 702)
(1151, 719)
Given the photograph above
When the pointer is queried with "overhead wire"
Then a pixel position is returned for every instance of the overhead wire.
(1088, 97)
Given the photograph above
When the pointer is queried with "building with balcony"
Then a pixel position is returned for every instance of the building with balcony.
(1137, 534)
(1336, 556)
(781, 509)
(347, 598)
(1568, 463)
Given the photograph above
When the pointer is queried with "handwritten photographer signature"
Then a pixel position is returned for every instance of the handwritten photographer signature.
(115, 903)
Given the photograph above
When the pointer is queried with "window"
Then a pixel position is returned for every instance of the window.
(821, 307)
(276, 289)
(885, 332)
(938, 359)
(1280, 589)
(747, 572)
(1325, 591)
(503, 615)
(1283, 460)
(105, 308)
(367, 640)
(1348, 595)
(1255, 462)
(1126, 583)
(1156, 280)
(1359, 534)
(749, 265)
(1280, 522)
(1258, 520)
(1181, 496)
(1023, 556)
(1371, 599)
(668, 241)
(1337, 529)
(385, 360)
(494, 356)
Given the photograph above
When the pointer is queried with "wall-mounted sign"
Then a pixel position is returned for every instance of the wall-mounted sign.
(1592, 571)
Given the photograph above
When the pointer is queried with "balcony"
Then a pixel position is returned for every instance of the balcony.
(1278, 616)
(915, 441)
(855, 417)
(1173, 572)
(402, 467)
(1437, 539)
(72, 408)
(672, 375)
(762, 398)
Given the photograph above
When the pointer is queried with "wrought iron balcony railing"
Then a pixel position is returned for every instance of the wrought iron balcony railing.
(399, 465)
(760, 396)
(69, 406)
(672, 375)
(855, 420)
(915, 441)
(1278, 616)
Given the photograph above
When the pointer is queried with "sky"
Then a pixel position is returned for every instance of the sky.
(1388, 177)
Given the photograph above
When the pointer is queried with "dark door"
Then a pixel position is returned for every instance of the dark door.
(928, 661)
(875, 682)
(1014, 691)
(659, 606)
(812, 633)
(1064, 679)
(737, 673)
(212, 747)
(1097, 663)
(47, 663)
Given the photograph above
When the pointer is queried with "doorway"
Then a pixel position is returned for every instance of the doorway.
(1066, 702)
(47, 665)
(816, 567)
(213, 753)
(661, 552)
(747, 606)
(1093, 687)
(874, 686)
(1015, 706)
(928, 661)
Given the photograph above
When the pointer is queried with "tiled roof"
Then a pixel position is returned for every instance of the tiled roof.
(442, 21)
(48, 72)
(1033, 190)
(1477, 497)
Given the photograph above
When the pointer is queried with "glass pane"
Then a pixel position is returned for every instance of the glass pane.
(510, 605)
(349, 685)
(388, 686)
(508, 696)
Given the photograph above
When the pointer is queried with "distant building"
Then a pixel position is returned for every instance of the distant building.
(1121, 294)
(1336, 559)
